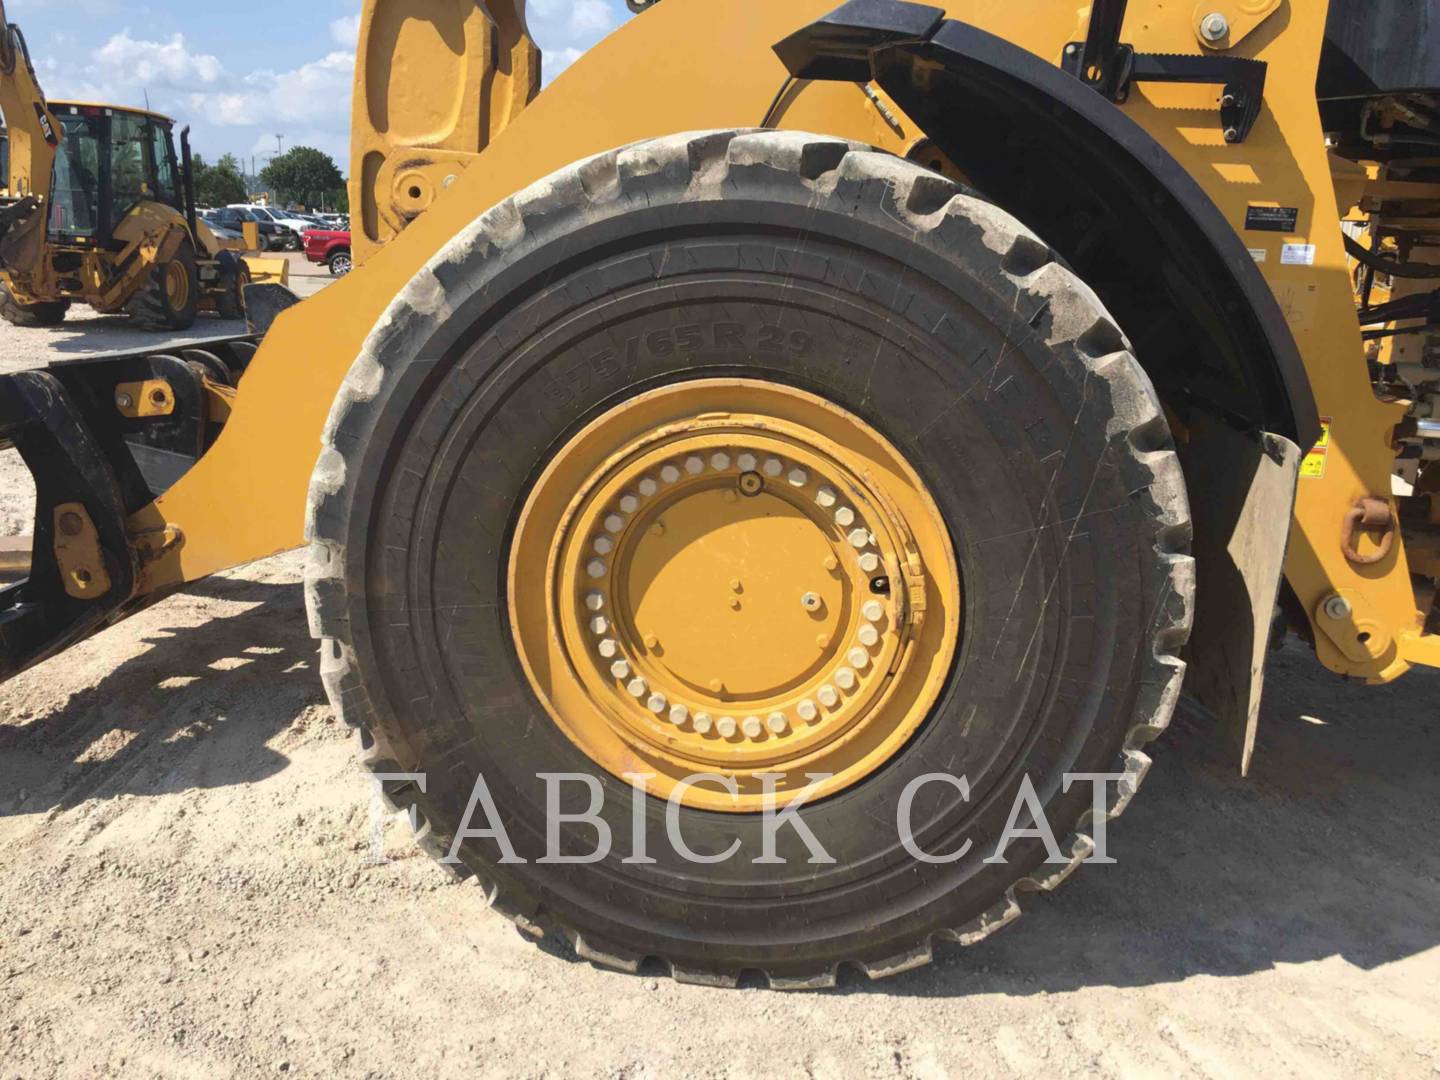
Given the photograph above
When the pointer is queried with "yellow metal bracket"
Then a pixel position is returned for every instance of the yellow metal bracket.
(143, 400)
(77, 551)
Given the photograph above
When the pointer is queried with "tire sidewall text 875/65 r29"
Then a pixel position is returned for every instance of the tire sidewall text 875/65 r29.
(846, 274)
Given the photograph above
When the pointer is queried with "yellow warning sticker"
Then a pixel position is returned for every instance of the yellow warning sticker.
(1313, 467)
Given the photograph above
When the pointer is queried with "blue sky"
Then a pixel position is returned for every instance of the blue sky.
(239, 73)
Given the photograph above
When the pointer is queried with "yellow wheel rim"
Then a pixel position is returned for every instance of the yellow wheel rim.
(734, 579)
(177, 286)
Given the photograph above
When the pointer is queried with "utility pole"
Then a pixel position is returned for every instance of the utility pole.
(279, 145)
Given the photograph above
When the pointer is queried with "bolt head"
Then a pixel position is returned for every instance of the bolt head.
(1338, 608)
(124, 401)
(71, 524)
(1214, 27)
(810, 602)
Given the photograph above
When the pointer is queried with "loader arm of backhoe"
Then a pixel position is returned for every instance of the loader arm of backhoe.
(34, 139)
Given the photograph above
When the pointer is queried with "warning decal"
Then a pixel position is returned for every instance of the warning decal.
(1313, 467)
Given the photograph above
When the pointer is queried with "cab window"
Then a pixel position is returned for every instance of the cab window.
(132, 179)
(167, 186)
(74, 207)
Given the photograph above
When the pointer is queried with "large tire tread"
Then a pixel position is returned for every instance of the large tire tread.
(44, 314)
(150, 308)
(926, 202)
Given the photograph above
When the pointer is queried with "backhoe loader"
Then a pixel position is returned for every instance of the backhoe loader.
(766, 492)
(96, 207)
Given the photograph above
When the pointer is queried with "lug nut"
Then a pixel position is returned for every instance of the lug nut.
(810, 602)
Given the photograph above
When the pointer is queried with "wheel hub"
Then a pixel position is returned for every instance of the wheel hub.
(736, 593)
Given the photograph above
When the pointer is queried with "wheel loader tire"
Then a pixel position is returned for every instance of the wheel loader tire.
(806, 265)
(170, 297)
(48, 313)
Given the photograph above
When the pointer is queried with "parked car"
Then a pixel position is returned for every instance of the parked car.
(288, 229)
(330, 247)
(272, 237)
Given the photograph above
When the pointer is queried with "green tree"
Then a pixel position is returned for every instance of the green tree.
(303, 175)
(220, 184)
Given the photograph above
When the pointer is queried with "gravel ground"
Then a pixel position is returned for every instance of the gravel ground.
(190, 893)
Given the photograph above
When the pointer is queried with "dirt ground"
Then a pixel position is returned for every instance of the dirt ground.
(188, 891)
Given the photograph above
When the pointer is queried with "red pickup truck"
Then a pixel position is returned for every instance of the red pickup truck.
(330, 248)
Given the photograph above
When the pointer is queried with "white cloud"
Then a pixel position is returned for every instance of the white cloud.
(567, 29)
(156, 63)
(346, 31)
(310, 104)
(240, 111)
(591, 17)
(557, 60)
(314, 91)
